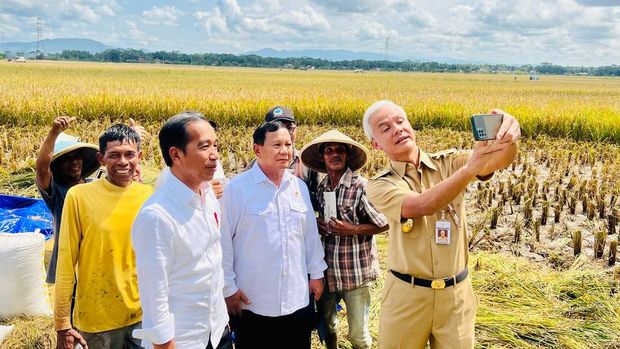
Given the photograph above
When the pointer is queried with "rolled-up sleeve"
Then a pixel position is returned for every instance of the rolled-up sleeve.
(152, 241)
(227, 229)
(366, 209)
(387, 197)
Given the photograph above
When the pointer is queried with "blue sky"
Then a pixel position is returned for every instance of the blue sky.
(573, 32)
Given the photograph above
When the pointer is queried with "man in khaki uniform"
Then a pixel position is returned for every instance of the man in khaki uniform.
(427, 295)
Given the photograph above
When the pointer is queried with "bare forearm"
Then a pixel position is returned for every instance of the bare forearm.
(501, 160)
(368, 229)
(44, 159)
(168, 345)
(439, 196)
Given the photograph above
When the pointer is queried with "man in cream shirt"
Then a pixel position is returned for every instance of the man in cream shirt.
(177, 243)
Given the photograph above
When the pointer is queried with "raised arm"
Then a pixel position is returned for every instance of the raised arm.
(44, 159)
(439, 196)
(486, 159)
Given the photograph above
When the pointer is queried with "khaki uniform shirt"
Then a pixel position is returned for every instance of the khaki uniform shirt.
(416, 253)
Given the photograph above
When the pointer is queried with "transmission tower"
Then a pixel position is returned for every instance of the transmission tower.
(39, 38)
(387, 45)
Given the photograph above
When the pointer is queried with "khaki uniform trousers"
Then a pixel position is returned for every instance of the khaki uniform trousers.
(412, 315)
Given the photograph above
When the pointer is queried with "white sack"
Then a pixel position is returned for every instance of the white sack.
(23, 290)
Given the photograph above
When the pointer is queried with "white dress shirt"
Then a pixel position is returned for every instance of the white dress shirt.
(179, 264)
(270, 242)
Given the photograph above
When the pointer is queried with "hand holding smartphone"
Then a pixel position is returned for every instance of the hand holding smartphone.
(486, 126)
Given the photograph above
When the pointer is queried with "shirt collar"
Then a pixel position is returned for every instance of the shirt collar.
(400, 167)
(187, 196)
(426, 160)
(259, 176)
(345, 179)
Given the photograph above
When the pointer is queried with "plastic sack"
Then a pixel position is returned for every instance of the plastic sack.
(22, 276)
(5, 331)
(19, 214)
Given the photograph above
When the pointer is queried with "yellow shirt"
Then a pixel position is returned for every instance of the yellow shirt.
(416, 253)
(95, 246)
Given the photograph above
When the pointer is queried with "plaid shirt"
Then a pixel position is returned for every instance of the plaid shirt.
(351, 260)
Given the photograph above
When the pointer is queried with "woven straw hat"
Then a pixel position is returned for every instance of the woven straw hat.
(312, 157)
(66, 144)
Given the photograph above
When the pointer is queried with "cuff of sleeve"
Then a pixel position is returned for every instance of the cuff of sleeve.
(230, 290)
(316, 276)
(63, 323)
(159, 334)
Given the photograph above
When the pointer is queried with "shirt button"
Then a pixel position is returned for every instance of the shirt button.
(436, 262)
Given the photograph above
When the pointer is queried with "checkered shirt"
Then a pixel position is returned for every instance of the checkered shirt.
(351, 260)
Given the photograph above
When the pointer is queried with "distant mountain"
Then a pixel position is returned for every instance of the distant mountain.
(54, 46)
(330, 55)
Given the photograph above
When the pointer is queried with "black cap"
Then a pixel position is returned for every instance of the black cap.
(280, 113)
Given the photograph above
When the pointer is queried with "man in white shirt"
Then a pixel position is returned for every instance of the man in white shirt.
(177, 243)
(273, 257)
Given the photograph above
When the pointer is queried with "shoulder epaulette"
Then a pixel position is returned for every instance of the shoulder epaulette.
(382, 173)
(443, 153)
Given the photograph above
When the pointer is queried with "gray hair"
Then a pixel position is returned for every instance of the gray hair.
(375, 107)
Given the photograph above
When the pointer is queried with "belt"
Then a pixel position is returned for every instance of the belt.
(436, 284)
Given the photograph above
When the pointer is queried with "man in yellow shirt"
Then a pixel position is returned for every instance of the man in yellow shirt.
(95, 251)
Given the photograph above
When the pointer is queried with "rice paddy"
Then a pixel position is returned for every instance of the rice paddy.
(543, 233)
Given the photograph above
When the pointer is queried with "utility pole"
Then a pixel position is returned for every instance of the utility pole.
(387, 45)
(39, 38)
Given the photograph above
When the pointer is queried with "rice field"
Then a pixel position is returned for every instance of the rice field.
(577, 107)
(543, 234)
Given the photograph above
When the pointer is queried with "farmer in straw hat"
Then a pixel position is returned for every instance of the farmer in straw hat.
(348, 236)
(427, 296)
(63, 162)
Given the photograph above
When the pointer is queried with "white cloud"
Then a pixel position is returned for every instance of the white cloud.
(304, 18)
(375, 31)
(347, 6)
(229, 16)
(8, 26)
(265, 7)
(212, 21)
(519, 31)
(137, 36)
(165, 15)
(420, 18)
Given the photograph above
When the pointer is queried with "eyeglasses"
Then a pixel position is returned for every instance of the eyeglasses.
(335, 150)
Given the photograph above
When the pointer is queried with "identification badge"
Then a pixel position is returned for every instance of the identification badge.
(442, 232)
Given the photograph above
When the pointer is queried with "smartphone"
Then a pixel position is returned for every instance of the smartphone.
(486, 126)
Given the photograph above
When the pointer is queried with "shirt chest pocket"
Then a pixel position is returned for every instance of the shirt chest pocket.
(297, 216)
(261, 213)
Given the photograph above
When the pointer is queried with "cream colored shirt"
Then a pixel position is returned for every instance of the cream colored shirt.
(416, 253)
